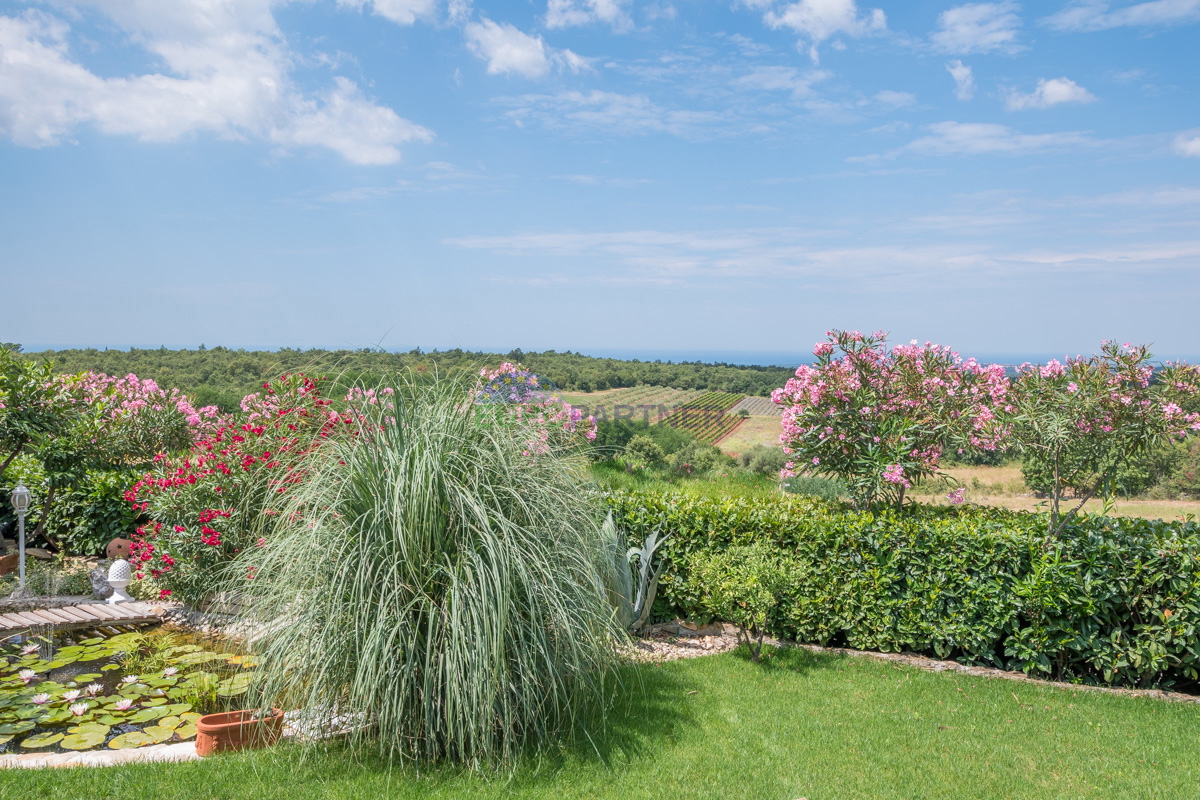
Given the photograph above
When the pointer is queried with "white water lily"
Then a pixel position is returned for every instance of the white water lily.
(129, 679)
(72, 695)
(29, 649)
(123, 705)
(94, 689)
(40, 699)
(26, 675)
(170, 672)
(79, 709)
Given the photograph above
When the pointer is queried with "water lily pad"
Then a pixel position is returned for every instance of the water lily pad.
(87, 677)
(89, 727)
(237, 685)
(5, 738)
(171, 722)
(155, 701)
(180, 709)
(185, 732)
(245, 661)
(190, 717)
(183, 648)
(110, 719)
(93, 640)
(198, 658)
(148, 715)
(108, 667)
(42, 740)
(83, 741)
(158, 732)
(128, 741)
(18, 727)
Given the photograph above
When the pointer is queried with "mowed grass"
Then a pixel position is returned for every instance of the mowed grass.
(817, 726)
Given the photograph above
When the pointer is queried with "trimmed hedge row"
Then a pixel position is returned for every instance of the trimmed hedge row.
(1112, 600)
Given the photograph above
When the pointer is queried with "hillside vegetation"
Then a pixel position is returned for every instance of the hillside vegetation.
(223, 376)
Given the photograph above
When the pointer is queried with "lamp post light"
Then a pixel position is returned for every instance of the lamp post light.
(20, 503)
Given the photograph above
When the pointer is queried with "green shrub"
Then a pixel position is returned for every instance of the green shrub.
(829, 489)
(644, 449)
(763, 459)
(85, 516)
(1108, 600)
(742, 585)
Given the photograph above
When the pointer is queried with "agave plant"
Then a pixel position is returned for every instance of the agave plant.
(434, 586)
(633, 610)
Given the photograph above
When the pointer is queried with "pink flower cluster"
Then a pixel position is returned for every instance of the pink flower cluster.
(131, 396)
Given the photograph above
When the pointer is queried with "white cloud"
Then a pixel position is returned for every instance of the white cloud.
(978, 28)
(819, 20)
(1093, 15)
(608, 111)
(890, 99)
(1048, 93)
(964, 80)
(570, 13)
(227, 74)
(786, 79)
(402, 12)
(1187, 146)
(509, 50)
(345, 122)
(980, 138)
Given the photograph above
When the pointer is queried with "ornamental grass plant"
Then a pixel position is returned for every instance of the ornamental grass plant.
(436, 586)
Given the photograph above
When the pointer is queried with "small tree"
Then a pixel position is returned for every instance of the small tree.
(741, 585)
(880, 419)
(28, 410)
(1079, 423)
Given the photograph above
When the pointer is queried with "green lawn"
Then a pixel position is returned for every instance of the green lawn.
(798, 725)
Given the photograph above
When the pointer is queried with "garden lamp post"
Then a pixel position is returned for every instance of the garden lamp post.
(20, 503)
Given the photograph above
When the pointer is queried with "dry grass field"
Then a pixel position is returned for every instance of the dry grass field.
(753, 431)
(1002, 486)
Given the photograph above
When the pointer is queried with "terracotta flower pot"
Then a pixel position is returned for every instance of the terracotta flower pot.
(234, 730)
(9, 563)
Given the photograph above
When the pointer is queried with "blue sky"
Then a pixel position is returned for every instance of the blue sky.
(600, 174)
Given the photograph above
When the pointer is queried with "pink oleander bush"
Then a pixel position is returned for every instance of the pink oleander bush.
(879, 419)
(1080, 422)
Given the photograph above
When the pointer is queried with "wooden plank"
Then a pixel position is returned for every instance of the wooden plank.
(13, 620)
(56, 615)
(100, 612)
(74, 613)
(41, 617)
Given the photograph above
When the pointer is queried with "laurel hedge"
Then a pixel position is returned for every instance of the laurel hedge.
(1111, 600)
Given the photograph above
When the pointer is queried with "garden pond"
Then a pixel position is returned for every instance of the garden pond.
(89, 690)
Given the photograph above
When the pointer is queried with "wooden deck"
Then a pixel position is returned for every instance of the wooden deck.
(90, 615)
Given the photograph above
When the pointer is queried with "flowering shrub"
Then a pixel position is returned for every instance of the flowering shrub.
(525, 401)
(206, 505)
(879, 419)
(1078, 423)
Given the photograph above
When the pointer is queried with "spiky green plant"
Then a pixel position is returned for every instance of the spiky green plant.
(435, 587)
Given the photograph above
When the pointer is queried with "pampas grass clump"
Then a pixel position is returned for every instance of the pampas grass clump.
(434, 587)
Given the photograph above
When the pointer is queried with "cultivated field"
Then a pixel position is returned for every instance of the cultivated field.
(753, 431)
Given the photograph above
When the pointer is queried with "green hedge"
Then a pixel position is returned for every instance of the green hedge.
(1110, 601)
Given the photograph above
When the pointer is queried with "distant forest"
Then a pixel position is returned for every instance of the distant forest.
(221, 376)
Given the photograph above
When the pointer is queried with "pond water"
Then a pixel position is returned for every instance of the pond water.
(83, 690)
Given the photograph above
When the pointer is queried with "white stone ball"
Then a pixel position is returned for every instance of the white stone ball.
(120, 571)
